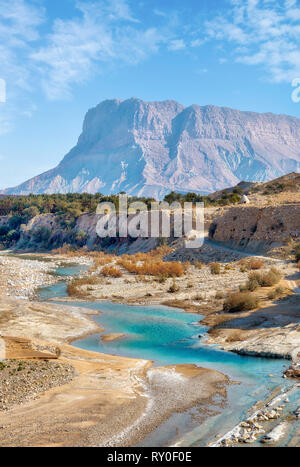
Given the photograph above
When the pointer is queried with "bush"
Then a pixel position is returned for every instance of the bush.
(31, 212)
(15, 222)
(4, 229)
(251, 285)
(111, 271)
(215, 268)
(267, 279)
(255, 264)
(81, 238)
(297, 252)
(270, 278)
(277, 293)
(146, 265)
(73, 288)
(240, 301)
(41, 235)
(13, 236)
(198, 265)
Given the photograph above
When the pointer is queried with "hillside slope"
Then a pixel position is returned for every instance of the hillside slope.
(152, 148)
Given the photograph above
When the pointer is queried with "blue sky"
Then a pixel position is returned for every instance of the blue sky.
(61, 57)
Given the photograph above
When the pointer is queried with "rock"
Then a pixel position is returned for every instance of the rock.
(275, 435)
(145, 137)
(297, 412)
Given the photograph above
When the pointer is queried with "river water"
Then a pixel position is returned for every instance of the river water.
(170, 336)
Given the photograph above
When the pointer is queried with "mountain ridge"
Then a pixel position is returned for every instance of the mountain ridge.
(152, 148)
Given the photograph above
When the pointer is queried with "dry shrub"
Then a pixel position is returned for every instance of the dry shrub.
(100, 259)
(198, 265)
(215, 268)
(255, 264)
(74, 287)
(252, 264)
(240, 301)
(270, 278)
(277, 293)
(151, 264)
(64, 250)
(111, 271)
(267, 279)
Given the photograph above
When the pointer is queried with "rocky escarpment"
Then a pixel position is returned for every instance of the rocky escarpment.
(250, 228)
(48, 232)
(257, 229)
(151, 148)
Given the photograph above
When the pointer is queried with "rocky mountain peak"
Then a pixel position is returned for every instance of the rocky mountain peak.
(151, 148)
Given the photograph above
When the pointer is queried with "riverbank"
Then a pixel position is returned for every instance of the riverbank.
(22, 274)
(271, 331)
(108, 398)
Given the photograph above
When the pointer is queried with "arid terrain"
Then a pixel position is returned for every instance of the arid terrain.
(249, 300)
(58, 389)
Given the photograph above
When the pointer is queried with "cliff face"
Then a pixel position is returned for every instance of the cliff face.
(257, 229)
(151, 148)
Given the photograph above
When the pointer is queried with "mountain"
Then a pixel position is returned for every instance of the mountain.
(151, 148)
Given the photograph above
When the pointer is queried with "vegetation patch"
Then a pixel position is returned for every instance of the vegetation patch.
(111, 271)
(215, 268)
(258, 279)
(241, 301)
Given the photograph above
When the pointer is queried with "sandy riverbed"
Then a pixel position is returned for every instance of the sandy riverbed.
(110, 400)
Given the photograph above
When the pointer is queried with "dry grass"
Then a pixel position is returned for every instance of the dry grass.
(255, 264)
(152, 264)
(250, 264)
(111, 271)
(74, 288)
(279, 292)
(157, 268)
(99, 257)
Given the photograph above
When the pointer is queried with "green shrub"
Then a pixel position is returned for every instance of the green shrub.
(31, 212)
(12, 236)
(4, 229)
(41, 235)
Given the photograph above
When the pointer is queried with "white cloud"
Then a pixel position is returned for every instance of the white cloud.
(19, 29)
(106, 34)
(176, 44)
(263, 32)
(202, 71)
